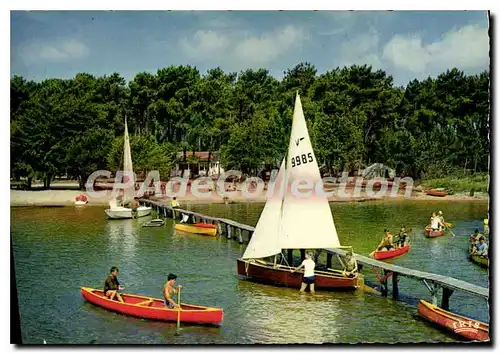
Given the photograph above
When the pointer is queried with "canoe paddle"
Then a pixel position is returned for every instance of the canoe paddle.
(179, 309)
(447, 227)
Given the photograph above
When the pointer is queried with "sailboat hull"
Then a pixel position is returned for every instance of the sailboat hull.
(126, 213)
(265, 273)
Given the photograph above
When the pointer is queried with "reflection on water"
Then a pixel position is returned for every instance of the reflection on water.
(283, 315)
(122, 236)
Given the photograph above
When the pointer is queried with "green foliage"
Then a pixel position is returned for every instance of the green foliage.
(459, 183)
(147, 155)
(356, 116)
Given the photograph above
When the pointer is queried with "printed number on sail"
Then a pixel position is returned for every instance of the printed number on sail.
(301, 159)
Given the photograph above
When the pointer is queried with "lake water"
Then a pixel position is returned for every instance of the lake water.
(58, 250)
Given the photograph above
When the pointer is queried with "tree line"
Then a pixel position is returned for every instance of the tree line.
(356, 116)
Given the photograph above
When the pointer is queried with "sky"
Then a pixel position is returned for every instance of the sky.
(406, 44)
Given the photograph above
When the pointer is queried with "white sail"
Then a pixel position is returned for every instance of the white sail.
(265, 239)
(128, 172)
(307, 222)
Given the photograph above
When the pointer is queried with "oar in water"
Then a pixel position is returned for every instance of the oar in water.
(179, 308)
(448, 227)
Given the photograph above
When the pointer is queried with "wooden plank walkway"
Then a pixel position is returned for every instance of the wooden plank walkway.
(444, 281)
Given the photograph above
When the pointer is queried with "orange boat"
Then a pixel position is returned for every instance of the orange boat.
(392, 253)
(463, 326)
(435, 193)
(154, 309)
(431, 234)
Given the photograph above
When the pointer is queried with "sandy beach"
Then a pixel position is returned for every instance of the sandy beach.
(63, 197)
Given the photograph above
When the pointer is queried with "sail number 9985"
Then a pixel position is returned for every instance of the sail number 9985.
(302, 159)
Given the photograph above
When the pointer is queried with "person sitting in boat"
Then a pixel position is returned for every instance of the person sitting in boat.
(386, 244)
(435, 222)
(308, 278)
(481, 249)
(440, 218)
(350, 264)
(474, 238)
(168, 291)
(111, 285)
(135, 205)
(174, 203)
(402, 237)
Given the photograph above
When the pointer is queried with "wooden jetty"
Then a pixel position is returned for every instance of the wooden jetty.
(434, 282)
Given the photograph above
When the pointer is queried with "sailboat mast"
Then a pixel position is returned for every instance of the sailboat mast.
(128, 172)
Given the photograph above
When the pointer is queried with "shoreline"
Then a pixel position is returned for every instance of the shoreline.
(19, 198)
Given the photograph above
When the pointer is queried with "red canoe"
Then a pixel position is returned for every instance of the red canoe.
(392, 253)
(435, 193)
(154, 309)
(208, 226)
(266, 273)
(429, 233)
(463, 326)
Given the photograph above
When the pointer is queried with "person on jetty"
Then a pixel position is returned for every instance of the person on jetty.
(168, 291)
(174, 203)
(185, 218)
(486, 227)
(112, 285)
(481, 249)
(308, 278)
(386, 242)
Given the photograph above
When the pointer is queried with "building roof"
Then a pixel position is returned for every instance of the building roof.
(201, 155)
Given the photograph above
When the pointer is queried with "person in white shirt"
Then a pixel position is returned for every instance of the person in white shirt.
(185, 218)
(435, 222)
(309, 266)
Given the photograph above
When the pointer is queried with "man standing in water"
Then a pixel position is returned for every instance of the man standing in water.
(168, 291)
(309, 266)
(111, 285)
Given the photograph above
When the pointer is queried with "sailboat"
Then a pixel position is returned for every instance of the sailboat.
(116, 211)
(292, 221)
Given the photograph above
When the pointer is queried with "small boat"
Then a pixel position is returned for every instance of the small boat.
(154, 309)
(205, 225)
(435, 193)
(116, 211)
(480, 260)
(463, 326)
(81, 199)
(194, 229)
(431, 234)
(285, 222)
(154, 223)
(392, 253)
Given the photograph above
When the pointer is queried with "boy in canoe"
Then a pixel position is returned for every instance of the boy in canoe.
(386, 242)
(168, 291)
(402, 239)
(111, 285)
(308, 278)
(481, 249)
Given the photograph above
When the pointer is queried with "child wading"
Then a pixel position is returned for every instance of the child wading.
(308, 265)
